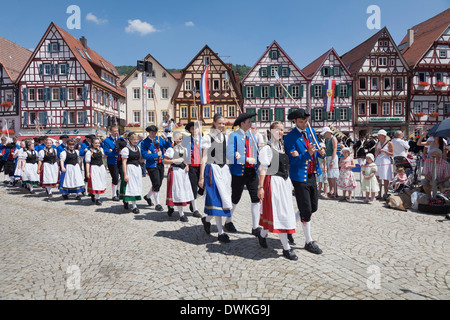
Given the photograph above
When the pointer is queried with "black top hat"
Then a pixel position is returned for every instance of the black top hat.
(64, 136)
(298, 113)
(242, 117)
(152, 129)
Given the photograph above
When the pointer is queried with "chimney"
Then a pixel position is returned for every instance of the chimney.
(410, 37)
(83, 41)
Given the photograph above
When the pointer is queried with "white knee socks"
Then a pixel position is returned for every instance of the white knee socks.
(180, 211)
(219, 225)
(255, 215)
(307, 231)
(156, 197)
(49, 190)
(114, 190)
(284, 241)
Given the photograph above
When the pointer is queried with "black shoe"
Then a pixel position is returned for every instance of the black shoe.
(135, 210)
(256, 231)
(262, 241)
(229, 226)
(159, 207)
(224, 238)
(125, 205)
(65, 197)
(290, 254)
(98, 202)
(196, 214)
(115, 198)
(32, 192)
(291, 239)
(206, 225)
(149, 201)
(183, 218)
(50, 195)
(313, 247)
(170, 211)
(78, 198)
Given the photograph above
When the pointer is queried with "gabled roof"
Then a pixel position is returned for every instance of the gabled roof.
(311, 69)
(425, 34)
(355, 58)
(88, 62)
(265, 53)
(13, 58)
(135, 68)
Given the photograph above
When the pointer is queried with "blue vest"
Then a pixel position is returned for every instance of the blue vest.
(236, 143)
(298, 166)
(149, 152)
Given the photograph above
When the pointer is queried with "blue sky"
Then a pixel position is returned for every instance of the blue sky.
(174, 31)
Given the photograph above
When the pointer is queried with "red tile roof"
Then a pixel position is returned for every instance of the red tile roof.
(425, 34)
(13, 58)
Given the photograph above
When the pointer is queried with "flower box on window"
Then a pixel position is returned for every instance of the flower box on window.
(6, 104)
(441, 84)
(419, 114)
(423, 84)
(434, 114)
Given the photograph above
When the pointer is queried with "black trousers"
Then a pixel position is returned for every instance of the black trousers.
(307, 197)
(116, 171)
(2, 163)
(250, 180)
(194, 176)
(156, 176)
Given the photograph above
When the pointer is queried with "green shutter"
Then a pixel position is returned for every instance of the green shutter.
(57, 69)
(25, 118)
(349, 114)
(49, 47)
(47, 94)
(270, 115)
(312, 90)
(244, 92)
(251, 111)
(62, 94)
(301, 89)
(85, 93)
(280, 71)
(259, 114)
(44, 118)
(323, 91)
(337, 90)
(271, 91)
(279, 114)
(313, 114)
(350, 90)
(260, 71)
(24, 94)
(257, 92)
(64, 118)
(41, 69)
(337, 114)
(85, 117)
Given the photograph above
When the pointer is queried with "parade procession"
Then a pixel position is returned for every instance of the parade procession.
(276, 164)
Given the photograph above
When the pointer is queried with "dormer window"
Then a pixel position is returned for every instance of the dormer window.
(206, 61)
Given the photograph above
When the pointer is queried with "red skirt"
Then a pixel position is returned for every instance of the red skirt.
(266, 219)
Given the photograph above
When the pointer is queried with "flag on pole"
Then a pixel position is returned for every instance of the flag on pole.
(204, 87)
(330, 87)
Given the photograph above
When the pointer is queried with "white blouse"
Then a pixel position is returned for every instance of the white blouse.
(126, 152)
(42, 153)
(88, 156)
(63, 155)
(266, 153)
(217, 135)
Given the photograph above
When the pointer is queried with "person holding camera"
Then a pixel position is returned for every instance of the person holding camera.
(168, 125)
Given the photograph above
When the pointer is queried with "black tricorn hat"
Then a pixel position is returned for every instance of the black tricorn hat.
(298, 113)
(189, 126)
(242, 117)
(64, 136)
(152, 129)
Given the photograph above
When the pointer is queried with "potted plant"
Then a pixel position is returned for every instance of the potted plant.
(434, 114)
(6, 104)
(441, 84)
(423, 84)
(419, 114)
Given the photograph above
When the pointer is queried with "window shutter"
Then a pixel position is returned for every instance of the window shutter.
(85, 93)
(47, 94)
(85, 117)
(49, 47)
(349, 114)
(57, 69)
(259, 115)
(337, 90)
(271, 91)
(67, 68)
(323, 91)
(260, 71)
(44, 118)
(257, 92)
(41, 69)
(312, 90)
(322, 72)
(62, 94)
(280, 71)
(350, 90)
(313, 114)
(24, 94)
(337, 114)
(324, 115)
(279, 114)
(270, 115)
(59, 47)
(300, 93)
(65, 118)
(244, 92)
(341, 71)
(288, 71)
(25, 118)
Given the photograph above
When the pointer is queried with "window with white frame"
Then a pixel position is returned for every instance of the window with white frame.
(362, 108)
(136, 93)
(318, 114)
(432, 107)
(343, 90)
(219, 110)
(71, 94)
(250, 92)
(206, 61)
(417, 106)
(31, 94)
(194, 112)
(137, 117)
(71, 117)
(40, 94)
(265, 115)
(164, 93)
(318, 91)
(216, 85)
(263, 72)
(187, 85)
(264, 92)
(206, 112)
(382, 61)
(438, 76)
(399, 83)
(279, 93)
(344, 114)
(63, 69)
(443, 54)
(374, 83)
(225, 85)
(386, 109)
(150, 93)
(387, 83)
(32, 117)
(231, 111)
(331, 116)
(184, 112)
(285, 72)
(151, 116)
(273, 70)
(295, 91)
(398, 108)
(80, 117)
(55, 94)
(48, 69)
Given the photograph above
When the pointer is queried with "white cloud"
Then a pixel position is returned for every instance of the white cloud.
(91, 17)
(140, 27)
(189, 24)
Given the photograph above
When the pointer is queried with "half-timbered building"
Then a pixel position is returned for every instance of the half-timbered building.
(224, 93)
(273, 87)
(330, 67)
(66, 87)
(380, 85)
(153, 98)
(12, 60)
(426, 49)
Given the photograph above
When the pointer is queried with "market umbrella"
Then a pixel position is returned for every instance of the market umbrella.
(441, 129)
